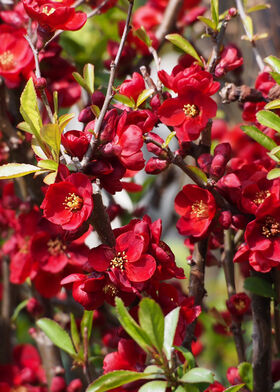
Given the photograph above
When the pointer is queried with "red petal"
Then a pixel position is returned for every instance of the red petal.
(141, 270)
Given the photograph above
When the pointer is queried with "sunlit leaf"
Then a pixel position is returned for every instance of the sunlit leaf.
(87, 322)
(51, 134)
(273, 104)
(125, 100)
(48, 164)
(64, 120)
(269, 119)
(234, 388)
(14, 170)
(152, 321)
(88, 73)
(273, 173)
(258, 7)
(143, 96)
(259, 136)
(185, 45)
(245, 371)
(142, 34)
(197, 171)
(170, 325)
(215, 11)
(197, 375)
(274, 63)
(24, 126)
(207, 21)
(249, 26)
(154, 386)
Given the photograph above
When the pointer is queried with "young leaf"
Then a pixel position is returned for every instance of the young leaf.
(269, 119)
(215, 12)
(144, 95)
(51, 135)
(196, 170)
(259, 136)
(64, 120)
(37, 148)
(259, 286)
(273, 173)
(170, 325)
(48, 164)
(152, 321)
(245, 372)
(154, 386)
(88, 73)
(25, 127)
(275, 104)
(75, 333)
(115, 379)
(14, 170)
(29, 108)
(234, 388)
(276, 77)
(249, 27)
(125, 100)
(87, 322)
(57, 335)
(258, 8)
(183, 44)
(55, 104)
(142, 34)
(131, 327)
(187, 355)
(79, 79)
(274, 63)
(197, 375)
(207, 21)
(17, 310)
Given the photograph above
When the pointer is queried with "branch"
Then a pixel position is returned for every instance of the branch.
(243, 17)
(169, 19)
(276, 278)
(110, 93)
(216, 52)
(231, 93)
(261, 341)
(5, 323)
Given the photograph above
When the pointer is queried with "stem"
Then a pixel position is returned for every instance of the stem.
(38, 75)
(86, 367)
(230, 281)
(242, 14)
(5, 323)
(216, 52)
(261, 341)
(109, 93)
(169, 18)
(276, 278)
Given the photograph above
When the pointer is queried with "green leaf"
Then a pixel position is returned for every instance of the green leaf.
(29, 108)
(14, 170)
(57, 335)
(95, 110)
(64, 120)
(259, 286)
(168, 139)
(273, 173)
(215, 11)
(114, 379)
(234, 388)
(259, 7)
(185, 45)
(151, 320)
(55, 103)
(187, 388)
(269, 119)
(142, 34)
(125, 100)
(245, 372)
(259, 136)
(87, 322)
(154, 386)
(275, 104)
(88, 73)
(143, 96)
(249, 26)
(25, 127)
(207, 21)
(155, 371)
(17, 310)
(197, 375)
(196, 170)
(48, 164)
(274, 63)
(75, 333)
(131, 327)
(187, 355)
(276, 77)
(79, 79)
(51, 134)
(170, 325)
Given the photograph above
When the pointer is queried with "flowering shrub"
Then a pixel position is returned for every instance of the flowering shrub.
(139, 229)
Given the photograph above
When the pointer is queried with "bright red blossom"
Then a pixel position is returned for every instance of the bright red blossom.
(69, 203)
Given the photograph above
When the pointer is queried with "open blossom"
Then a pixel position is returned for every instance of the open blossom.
(16, 57)
(52, 15)
(133, 87)
(69, 203)
(230, 60)
(197, 208)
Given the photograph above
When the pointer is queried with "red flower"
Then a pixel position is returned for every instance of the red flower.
(127, 261)
(215, 387)
(188, 114)
(133, 87)
(16, 57)
(238, 304)
(69, 203)
(197, 207)
(52, 15)
(230, 59)
(76, 143)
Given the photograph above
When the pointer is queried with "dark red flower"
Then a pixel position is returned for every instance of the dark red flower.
(52, 15)
(215, 387)
(188, 114)
(233, 376)
(230, 59)
(197, 208)
(69, 203)
(16, 57)
(238, 304)
(76, 143)
(132, 88)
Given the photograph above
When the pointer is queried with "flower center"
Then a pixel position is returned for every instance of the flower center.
(110, 290)
(261, 196)
(7, 60)
(199, 209)
(271, 227)
(47, 11)
(190, 110)
(119, 261)
(73, 202)
(55, 247)
(240, 305)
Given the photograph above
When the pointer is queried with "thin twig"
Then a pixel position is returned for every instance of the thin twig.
(216, 52)
(109, 93)
(242, 14)
(86, 367)
(276, 278)
(5, 324)
(169, 19)
(38, 75)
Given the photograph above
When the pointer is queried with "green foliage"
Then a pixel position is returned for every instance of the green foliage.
(273, 173)
(245, 371)
(87, 323)
(198, 375)
(87, 80)
(154, 386)
(259, 136)
(57, 335)
(142, 34)
(274, 63)
(14, 170)
(259, 286)
(115, 379)
(273, 105)
(170, 325)
(269, 119)
(234, 388)
(17, 310)
(125, 100)
(198, 172)
(215, 12)
(184, 45)
(143, 96)
(75, 333)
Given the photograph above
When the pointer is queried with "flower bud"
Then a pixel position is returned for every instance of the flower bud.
(75, 386)
(233, 376)
(225, 219)
(58, 384)
(204, 162)
(86, 115)
(34, 307)
(97, 99)
(40, 83)
(223, 149)
(218, 166)
(155, 166)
